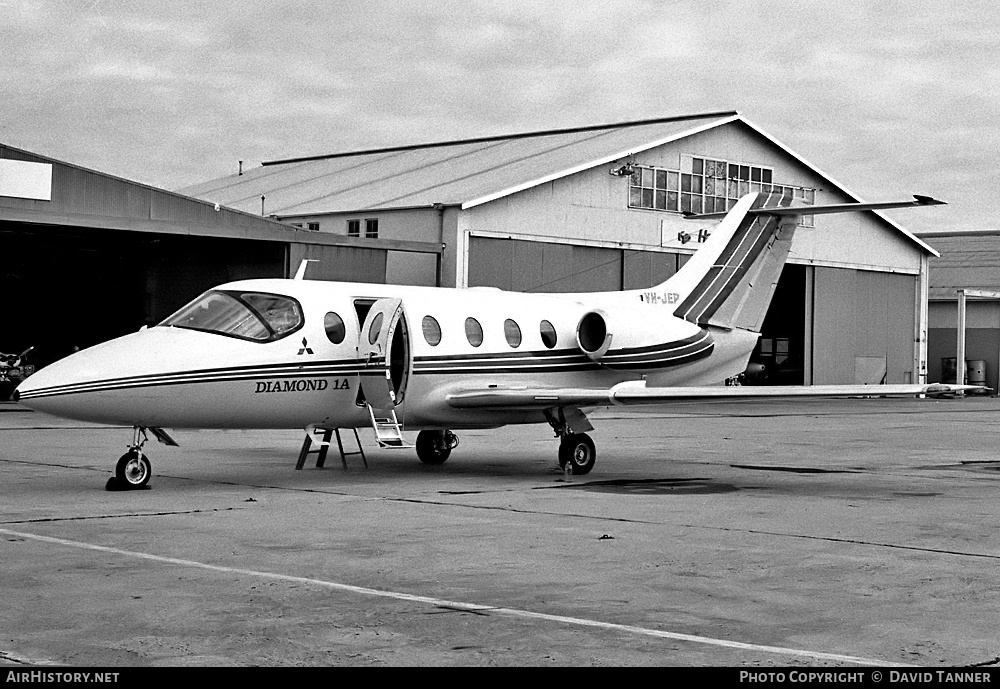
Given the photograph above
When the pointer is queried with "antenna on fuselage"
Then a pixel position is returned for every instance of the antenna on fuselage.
(300, 274)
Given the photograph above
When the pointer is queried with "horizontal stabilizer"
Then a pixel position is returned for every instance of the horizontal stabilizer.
(829, 208)
(636, 393)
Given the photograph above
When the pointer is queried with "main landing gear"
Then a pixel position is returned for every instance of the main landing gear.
(577, 453)
(434, 447)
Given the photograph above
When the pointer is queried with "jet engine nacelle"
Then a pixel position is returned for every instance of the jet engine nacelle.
(593, 334)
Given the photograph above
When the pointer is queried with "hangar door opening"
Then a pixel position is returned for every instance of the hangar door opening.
(69, 288)
(780, 354)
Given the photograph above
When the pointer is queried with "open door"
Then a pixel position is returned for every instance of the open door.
(384, 352)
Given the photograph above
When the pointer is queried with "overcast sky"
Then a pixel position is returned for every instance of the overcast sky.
(888, 98)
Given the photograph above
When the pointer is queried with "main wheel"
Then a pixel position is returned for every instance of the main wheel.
(577, 451)
(434, 447)
(133, 470)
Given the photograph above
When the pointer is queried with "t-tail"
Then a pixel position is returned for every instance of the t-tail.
(731, 279)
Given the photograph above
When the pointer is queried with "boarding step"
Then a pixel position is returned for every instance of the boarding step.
(324, 445)
(388, 431)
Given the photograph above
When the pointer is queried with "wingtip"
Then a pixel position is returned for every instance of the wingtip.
(928, 201)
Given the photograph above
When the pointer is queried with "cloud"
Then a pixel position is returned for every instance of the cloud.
(886, 97)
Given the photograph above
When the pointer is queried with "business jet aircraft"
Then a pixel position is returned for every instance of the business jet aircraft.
(295, 353)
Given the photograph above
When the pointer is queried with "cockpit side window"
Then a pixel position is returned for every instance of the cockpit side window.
(281, 314)
(252, 316)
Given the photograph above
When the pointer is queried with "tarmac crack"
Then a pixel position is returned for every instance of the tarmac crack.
(851, 541)
(95, 517)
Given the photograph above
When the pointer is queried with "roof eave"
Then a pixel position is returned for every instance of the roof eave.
(603, 160)
(909, 235)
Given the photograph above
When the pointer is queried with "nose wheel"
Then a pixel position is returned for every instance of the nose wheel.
(133, 469)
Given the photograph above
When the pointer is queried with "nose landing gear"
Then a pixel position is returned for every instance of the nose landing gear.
(133, 469)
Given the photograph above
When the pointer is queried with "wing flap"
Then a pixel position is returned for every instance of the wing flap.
(529, 398)
(636, 393)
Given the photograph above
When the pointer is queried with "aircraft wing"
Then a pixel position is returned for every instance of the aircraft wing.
(636, 393)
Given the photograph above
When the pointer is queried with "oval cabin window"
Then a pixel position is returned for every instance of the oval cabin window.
(548, 334)
(335, 329)
(473, 331)
(432, 331)
(512, 331)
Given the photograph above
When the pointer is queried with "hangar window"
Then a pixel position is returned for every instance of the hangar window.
(246, 315)
(548, 334)
(335, 329)
(512, 331)
(473, 331)
(314, 226)
(705, 185)
(371, 228)
(432, 331)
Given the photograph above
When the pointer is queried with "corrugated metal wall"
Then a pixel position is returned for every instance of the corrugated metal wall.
(648, 268)
(863, 326)
(527, 266)
(343, 263)
(411, 268)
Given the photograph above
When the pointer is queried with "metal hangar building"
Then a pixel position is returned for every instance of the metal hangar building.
(86, 256)
(969, 262)
(601, 208)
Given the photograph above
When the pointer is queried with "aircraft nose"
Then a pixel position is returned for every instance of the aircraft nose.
(48, 384)
(71, 387)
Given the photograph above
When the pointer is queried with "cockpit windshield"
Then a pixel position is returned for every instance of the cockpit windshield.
(247, 315)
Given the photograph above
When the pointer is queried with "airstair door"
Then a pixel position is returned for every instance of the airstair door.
(384, 354)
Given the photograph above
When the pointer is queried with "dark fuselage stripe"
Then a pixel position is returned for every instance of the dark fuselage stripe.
(654, 357)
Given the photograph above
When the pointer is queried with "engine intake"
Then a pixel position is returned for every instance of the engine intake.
(593, 334)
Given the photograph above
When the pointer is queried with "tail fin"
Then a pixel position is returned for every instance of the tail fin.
(729, 282)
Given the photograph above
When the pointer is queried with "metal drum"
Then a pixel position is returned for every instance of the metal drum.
(976, 372)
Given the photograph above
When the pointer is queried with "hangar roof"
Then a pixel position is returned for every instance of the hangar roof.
(76, 196)
(463, 173)
(968, 260)
(80, 197)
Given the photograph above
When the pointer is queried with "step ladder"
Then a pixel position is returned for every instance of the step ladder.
(388, 431)
(324, 445)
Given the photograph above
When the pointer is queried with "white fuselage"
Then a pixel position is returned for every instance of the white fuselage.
(176, 377)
